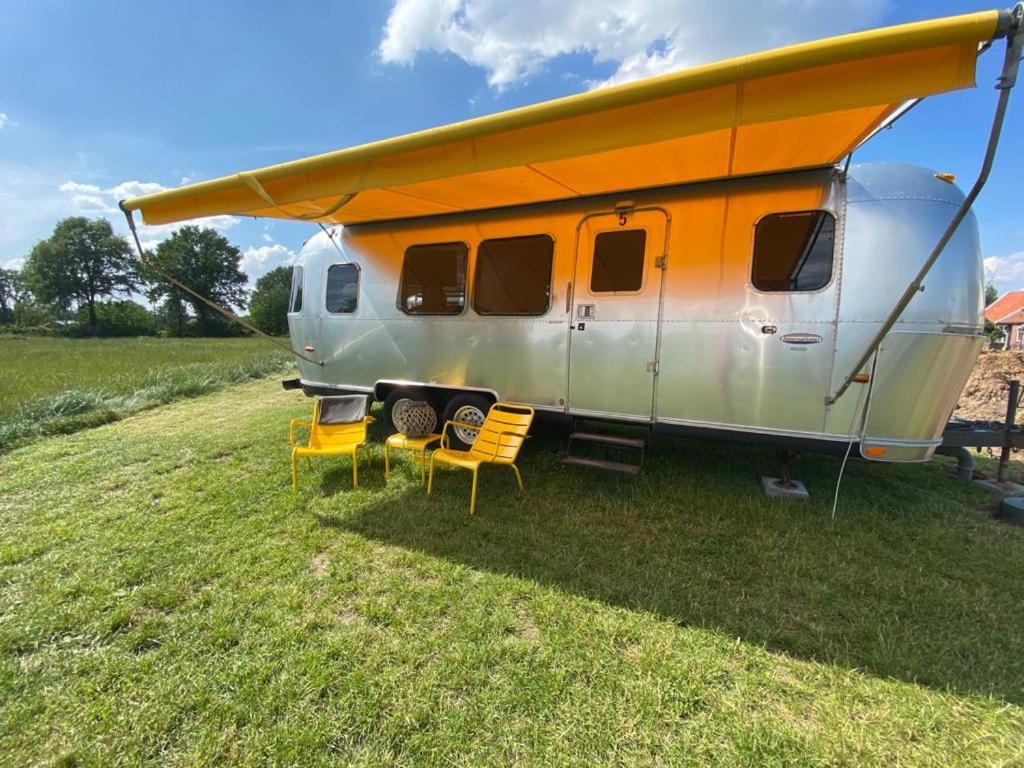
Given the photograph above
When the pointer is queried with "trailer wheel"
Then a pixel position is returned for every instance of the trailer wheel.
(468, 409)
(396, 401)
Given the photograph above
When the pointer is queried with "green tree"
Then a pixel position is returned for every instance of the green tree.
(9, 284)
(991, 294)
(121, 318)
(208, 264)
(80, 263)
(268, 307)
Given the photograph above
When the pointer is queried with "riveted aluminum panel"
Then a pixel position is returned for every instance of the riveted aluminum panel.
(918, 378)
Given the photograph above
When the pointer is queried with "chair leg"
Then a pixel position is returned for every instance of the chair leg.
(472, 497)
(355, 468)
(387, 460)
(423, 465)
(309, 463)
(430, 479)
(519, 478)
(295, 472)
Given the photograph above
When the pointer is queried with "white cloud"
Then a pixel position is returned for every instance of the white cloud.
(30, 204)
(259, 261)
(14, 264)
(513, 41)
(92, 200)
(267, 238)
(4, 119)
(1006, 272)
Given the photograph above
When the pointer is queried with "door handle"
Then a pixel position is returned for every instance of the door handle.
(586, 311)
(568, 298)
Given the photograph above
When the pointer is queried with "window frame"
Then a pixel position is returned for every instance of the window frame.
(753, 251)
(297, 290)
(465, 286)
(551, 275)
(643, 267)
(327, 283)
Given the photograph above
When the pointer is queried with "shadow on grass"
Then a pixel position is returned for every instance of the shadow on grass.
(913, 581)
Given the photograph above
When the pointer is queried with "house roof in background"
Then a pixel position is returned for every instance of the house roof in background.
(1008, 308)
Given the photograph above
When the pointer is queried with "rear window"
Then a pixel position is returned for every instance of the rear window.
(793, 251)
(513, 276)
(296, 300)
(433, 279)
(618, 261)
(342, 288)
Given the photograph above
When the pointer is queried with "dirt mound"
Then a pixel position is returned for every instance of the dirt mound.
(984, 397)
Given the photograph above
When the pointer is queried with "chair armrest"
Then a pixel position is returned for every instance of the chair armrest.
(291, 429)
(369, 420)
(444, 432)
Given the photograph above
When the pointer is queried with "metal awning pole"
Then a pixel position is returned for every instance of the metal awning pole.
(208, 302)
(1012, 29)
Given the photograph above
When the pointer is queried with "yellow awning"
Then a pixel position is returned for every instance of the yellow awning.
(797, 107)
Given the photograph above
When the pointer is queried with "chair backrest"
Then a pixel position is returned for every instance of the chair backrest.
(503, 433)
(339, 421)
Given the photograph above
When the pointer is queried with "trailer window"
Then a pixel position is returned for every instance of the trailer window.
(433, 279)
(296, 300)
(618, 261)
(342, 288)
(793, 251)
(513, 276)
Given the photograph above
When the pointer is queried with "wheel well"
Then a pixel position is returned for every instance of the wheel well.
(443, 395)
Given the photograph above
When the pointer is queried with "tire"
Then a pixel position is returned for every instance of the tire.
(394, 402)
(469, 408)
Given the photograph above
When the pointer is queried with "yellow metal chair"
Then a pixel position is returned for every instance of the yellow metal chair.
(498, 441)
(338, 428)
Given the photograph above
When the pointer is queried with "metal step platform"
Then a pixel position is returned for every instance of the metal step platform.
(609, 442)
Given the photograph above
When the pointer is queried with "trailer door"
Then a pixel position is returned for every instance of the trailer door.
(613, 329)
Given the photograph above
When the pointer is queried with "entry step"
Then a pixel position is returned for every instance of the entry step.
(620, 442)
(610, 466)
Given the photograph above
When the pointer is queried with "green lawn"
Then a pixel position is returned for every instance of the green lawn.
(165, 599)
(38, 366)
(52, 385)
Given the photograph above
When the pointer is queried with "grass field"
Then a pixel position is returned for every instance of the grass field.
(165, 599)
(54, 385)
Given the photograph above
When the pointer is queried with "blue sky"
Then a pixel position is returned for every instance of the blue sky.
(104, 100)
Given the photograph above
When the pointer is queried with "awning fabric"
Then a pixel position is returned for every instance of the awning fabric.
(801, 106)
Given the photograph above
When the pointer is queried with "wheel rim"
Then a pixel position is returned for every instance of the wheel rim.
(468, 414)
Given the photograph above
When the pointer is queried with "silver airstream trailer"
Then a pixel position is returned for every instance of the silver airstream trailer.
(611, 308)
(688, 252)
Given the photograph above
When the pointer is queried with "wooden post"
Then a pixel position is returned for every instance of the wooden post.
(1011, 416)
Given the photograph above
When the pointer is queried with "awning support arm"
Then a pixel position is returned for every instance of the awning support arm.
(253, 183)
(1014, 31)
(209, 302)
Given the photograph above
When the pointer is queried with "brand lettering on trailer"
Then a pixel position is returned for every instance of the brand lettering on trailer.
(801, 338)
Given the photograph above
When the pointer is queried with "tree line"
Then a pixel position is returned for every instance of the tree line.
(79, 281)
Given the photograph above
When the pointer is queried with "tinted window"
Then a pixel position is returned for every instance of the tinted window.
(296, 302)
(793, 251)
(342, 288)
(618, 261)
(513, 276)
(433, 279)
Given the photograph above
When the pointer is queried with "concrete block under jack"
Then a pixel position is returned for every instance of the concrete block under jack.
(1013, 510)
(1006, 489)
(772, 489)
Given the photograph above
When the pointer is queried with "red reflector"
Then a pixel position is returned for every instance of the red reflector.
(875, 451)
(307, 348)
